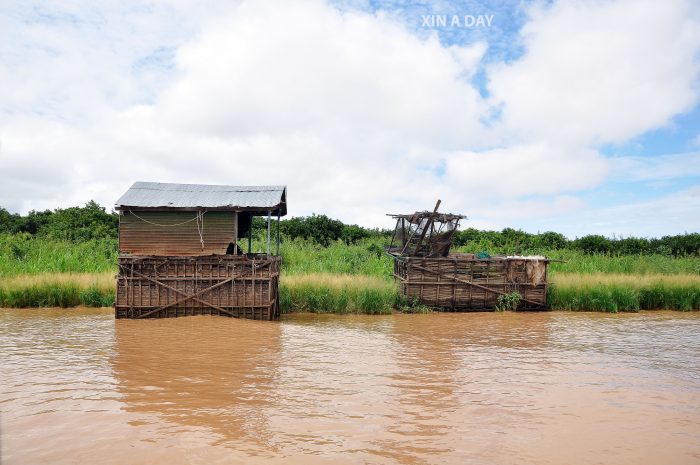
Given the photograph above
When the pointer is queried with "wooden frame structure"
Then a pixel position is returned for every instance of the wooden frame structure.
(461, 282)
(179, 251)
(428, 273)
(424, 234)
(228, 285)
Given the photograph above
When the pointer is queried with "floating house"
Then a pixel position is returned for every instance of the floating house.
(186, 249)
(429, 273)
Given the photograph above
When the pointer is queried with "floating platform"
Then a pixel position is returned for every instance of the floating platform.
(242, 286)
(462, 282)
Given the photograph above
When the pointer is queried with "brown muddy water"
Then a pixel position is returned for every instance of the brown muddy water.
(543, 388)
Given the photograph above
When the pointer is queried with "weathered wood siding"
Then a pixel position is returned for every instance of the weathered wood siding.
(175, 233)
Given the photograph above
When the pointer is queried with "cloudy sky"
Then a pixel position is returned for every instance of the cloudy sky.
(574, 116)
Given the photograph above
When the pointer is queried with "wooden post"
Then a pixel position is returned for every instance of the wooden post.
(250, 235)
(269, 213)
(428, 224)
(278, 233)
(394, 235)
(235, 232)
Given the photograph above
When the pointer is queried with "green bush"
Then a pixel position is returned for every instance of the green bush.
(508, 302)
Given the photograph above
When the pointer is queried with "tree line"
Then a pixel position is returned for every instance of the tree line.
(92, 221)
(515, 241)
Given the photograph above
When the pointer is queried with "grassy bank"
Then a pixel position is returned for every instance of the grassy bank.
(320, 292)
(344, 278)
(624, 293)
(58, 290)
(346, 293)
(338, 293)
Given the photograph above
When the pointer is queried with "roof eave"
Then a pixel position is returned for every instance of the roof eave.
(282, 208)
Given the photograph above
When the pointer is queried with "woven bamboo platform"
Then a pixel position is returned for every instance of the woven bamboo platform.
(227, 285)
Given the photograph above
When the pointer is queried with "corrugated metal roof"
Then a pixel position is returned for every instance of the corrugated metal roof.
(168, 195)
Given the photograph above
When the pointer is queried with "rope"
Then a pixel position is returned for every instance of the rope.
(199, 218)
(200, 228)
(165, 225)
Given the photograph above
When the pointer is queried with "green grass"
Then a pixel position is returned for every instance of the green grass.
(366, 258)
(615, 298)
(343, 279)
(624, 293)
(58, 290)
(333, 293)
(578, 262)
(328, 293)
(24, 254)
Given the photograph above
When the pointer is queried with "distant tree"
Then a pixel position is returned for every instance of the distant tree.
(468, 235)
(81, 223)
(74, 223)
(681, 244)
(515, 240)
(324, 230)
(9, 222)
(318, 228)
(293, 228)
(594, 243)
(34, 221)
(352, 234)
(92, 221)
(631, 246)
(553, 240)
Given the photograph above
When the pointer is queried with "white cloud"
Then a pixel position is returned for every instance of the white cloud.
(597, 72)
(670, 214)
(355, 113)
(521, 170)
(658, 168)
(282, 68)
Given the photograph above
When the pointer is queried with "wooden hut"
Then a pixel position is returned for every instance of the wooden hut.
(185, 249)
(428, 272)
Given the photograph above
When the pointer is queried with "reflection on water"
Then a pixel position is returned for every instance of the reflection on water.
(199, 372)
(78, 386)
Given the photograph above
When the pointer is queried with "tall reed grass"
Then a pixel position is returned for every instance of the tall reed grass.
(340, 293)
(320, 292)
(345, 293)
(365, 258)
(579, 262)
(23, 254)
(342, 278)
(58, 290)
(624, 293)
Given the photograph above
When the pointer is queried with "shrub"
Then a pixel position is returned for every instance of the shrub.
(508, 302)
